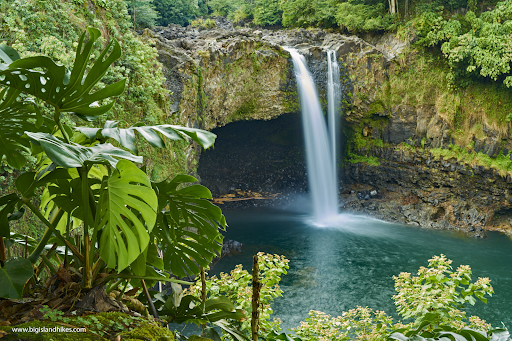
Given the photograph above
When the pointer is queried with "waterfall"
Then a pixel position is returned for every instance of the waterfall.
(319, 156)
(333, 104)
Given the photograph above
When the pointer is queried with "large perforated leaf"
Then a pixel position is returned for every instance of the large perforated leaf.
(68, 91)
(191, 309)
(126, 137)
(124, 235)
(188, 225)
(7, 56)
(74, 155)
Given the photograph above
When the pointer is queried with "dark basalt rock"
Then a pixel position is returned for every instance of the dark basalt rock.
(262, 157)
(231, 246)
(435, 194)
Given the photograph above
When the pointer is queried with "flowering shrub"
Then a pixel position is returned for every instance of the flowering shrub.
(436, 296)
(355, 324)
(237, 286)
(439, 290)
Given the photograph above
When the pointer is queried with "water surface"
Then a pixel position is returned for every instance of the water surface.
(333, 269)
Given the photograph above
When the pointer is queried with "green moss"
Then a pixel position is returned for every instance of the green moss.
(501, 163)
(371, 160)
(361, 95)
(291, 102)
(421, 80)
(245, 111)
(149, 332)
(375, 108)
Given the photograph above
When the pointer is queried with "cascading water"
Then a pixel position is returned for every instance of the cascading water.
(333, 104)
(319, 154)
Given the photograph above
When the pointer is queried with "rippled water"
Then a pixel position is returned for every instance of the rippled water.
(351, 263)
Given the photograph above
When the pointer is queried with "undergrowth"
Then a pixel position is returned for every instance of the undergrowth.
(52, 28)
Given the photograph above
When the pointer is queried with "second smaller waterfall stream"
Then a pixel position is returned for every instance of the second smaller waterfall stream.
(333, 104)
(319, 155)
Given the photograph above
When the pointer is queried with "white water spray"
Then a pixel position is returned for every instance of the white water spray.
(320, 163)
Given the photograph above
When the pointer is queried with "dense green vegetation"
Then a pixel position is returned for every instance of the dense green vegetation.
(351, 15)
(52, 28)
(103, 211)
(84, 183)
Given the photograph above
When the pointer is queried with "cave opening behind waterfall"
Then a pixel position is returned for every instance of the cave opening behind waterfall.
(258, 157)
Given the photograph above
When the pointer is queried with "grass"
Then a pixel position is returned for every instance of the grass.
(371, 160)
(501, 163)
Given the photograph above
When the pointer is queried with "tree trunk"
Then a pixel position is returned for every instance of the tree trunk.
(203, 285)
(133, 10)
(406, 9)
(3, 254)
(255, 297)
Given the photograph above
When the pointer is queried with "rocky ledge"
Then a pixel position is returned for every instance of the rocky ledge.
(415, 188)
(228, 74)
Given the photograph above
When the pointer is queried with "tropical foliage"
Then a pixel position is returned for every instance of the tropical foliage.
(52, 28)
(474, 46)
(441, 291)
(180, 12)
(352, 15)
(90, 183)
(143, 13)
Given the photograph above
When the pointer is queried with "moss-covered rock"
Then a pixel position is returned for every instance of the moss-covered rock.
(217, 77)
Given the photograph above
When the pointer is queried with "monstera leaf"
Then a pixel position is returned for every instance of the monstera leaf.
(124, 236)
(66, 91)
(13, 276)
(188, 225)
(273, 336)
(126, 137)
(17, 116)
(74, 155)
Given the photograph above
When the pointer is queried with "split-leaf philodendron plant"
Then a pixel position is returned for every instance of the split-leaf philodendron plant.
(90, 184)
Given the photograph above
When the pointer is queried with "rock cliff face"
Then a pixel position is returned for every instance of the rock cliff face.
(416, 188)
(220, 75)
(400, 161)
